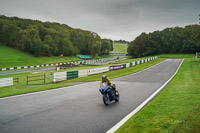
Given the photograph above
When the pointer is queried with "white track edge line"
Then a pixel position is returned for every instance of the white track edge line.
(120, 123)
(44, 91)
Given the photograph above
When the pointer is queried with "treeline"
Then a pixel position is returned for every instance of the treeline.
(121, 41)
(50, 39)
(170, 40)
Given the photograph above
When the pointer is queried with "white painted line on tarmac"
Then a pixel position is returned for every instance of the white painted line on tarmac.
(120, 123)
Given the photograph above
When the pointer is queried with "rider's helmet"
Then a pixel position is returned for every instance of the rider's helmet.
(104, 78)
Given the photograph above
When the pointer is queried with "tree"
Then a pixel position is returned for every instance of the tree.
(32, 40)
(65, 47)
(137, 48)
(96, 48)
(169, 40)
(53, 50)
(47, 39)
(106, 46)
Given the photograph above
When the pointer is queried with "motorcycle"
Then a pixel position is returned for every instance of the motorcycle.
(109, 94)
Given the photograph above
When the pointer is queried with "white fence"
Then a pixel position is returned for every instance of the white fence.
(82, 73)
(6, 82)
(60, 76)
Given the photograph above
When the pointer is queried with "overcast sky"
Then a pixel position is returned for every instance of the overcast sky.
(112, 19)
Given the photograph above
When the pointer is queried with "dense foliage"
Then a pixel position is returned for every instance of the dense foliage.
(121, 41)
(47, 39)
(170, 40)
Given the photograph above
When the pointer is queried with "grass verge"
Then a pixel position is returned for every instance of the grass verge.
(12, 58)
(176, 108)
(177, 56)
(22, 88)
(120, 48)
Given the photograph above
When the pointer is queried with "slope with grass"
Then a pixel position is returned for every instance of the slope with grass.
(120, 48)
(12, 58)
(176, 109)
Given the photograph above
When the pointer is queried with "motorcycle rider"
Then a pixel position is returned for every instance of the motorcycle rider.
(107, 81)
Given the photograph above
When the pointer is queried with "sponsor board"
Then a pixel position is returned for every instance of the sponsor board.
(98, 70)
(117, 67)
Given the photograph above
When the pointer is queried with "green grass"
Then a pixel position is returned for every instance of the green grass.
(120, 48)
(22, 88)
(35, 86)
(177, 55)
(12, 58)
(176, 108)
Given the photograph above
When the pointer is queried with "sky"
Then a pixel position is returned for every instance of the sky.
(111, 19)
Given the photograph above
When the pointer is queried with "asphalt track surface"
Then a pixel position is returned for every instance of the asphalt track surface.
(79, 108)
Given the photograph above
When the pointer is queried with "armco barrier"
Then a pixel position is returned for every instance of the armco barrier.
(46, 65)
(135, 63)
(131, 64)
(60, 76)
(98, 70)
(127, 65)
(116, 67)
(6, 82)
(124, 65)
(72, 75)
(82, 73)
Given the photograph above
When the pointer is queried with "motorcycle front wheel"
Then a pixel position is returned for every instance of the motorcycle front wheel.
(116, 96)
(106, 100)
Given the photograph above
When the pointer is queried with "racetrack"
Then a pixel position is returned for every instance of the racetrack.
(80, 108)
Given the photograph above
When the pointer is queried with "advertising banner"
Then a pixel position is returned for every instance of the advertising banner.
(98, 70)
(117, 67)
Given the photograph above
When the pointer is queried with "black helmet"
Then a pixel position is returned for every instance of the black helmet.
(104, 78)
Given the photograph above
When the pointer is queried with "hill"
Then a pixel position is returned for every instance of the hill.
(11, 58)
(49, 38)
(119, 48)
